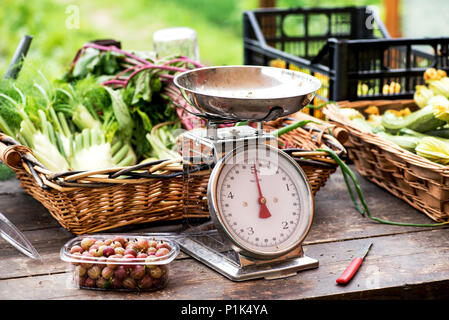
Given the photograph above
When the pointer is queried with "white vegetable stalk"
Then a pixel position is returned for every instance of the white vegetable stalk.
(160, 139)
(48, 154)
(92, 152)
(43, 147)
(83, 119)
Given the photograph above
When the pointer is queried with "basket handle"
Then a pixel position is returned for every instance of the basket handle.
(340, 133)
(10, 156)
(11, 152)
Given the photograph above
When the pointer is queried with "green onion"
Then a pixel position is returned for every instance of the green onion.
(310, 106)
(279, 132)
(347, 172)
(242, 123)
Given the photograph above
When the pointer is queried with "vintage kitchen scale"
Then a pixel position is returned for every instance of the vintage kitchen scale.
(259, 198)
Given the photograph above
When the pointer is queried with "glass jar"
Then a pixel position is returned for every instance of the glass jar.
(176, 41)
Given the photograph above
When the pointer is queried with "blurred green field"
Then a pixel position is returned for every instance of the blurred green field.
(60, 27)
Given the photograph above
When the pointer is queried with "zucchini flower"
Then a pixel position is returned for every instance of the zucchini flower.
(439, 87)
(362, 125)
(445, 81)
(441, 73)
(422, 95)
(372, 110)
(434, 150)
(351, 113)
(432, 74)
(375, 120)
(440, 107)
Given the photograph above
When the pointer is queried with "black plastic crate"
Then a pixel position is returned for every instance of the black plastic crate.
(348, 49)
(378, 63)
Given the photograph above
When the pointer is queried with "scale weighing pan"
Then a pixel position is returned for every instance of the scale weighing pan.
(246, 93)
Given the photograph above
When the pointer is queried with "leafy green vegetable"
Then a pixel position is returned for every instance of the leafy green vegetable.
(10, 119)
(6, 172)
(121, 112)
(162, 141)
(107, 110)
(94, 62)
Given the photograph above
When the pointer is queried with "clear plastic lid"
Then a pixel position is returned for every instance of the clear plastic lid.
(10, 233)
(160, 260)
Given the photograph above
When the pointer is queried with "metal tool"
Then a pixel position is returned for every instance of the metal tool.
(17, 60)
(352, 268)
(259, 198)
(10, 233)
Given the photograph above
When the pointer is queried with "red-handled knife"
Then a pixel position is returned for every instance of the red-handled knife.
(354, 265)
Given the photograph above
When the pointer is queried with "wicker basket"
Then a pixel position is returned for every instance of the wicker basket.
(419, 182)
(92, 201)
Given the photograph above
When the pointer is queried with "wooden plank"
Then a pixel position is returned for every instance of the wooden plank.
(401, 264)
(335, 218)
(335, 215)
(392, 17)
(267, 3)
(337, 232)
(25, 212)
(10, 186)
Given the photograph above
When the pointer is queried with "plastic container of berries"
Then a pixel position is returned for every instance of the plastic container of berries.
(120, 262)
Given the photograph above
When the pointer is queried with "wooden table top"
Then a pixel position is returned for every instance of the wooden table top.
(403, 263)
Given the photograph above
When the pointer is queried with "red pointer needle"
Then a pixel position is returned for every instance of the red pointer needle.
(264, 212)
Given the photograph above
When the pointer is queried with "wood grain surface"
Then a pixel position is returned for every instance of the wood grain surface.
(404, 262)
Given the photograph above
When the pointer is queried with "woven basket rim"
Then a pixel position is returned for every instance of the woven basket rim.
(331, 112)
(73, 180)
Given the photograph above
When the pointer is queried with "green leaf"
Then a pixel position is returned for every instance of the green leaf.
(108, 63)
(11, 118)
(142, 145)
(6, 172)
(86, 63)
(142, 88)
(121, 112)
(156, 84)
(147, 125)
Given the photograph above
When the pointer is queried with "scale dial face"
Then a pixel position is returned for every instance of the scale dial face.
(261, 199)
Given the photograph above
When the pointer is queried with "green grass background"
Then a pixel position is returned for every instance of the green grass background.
(218, 24)
(133, 22)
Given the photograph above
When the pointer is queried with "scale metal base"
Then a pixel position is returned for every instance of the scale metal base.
(230, 264)
(205, 243)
